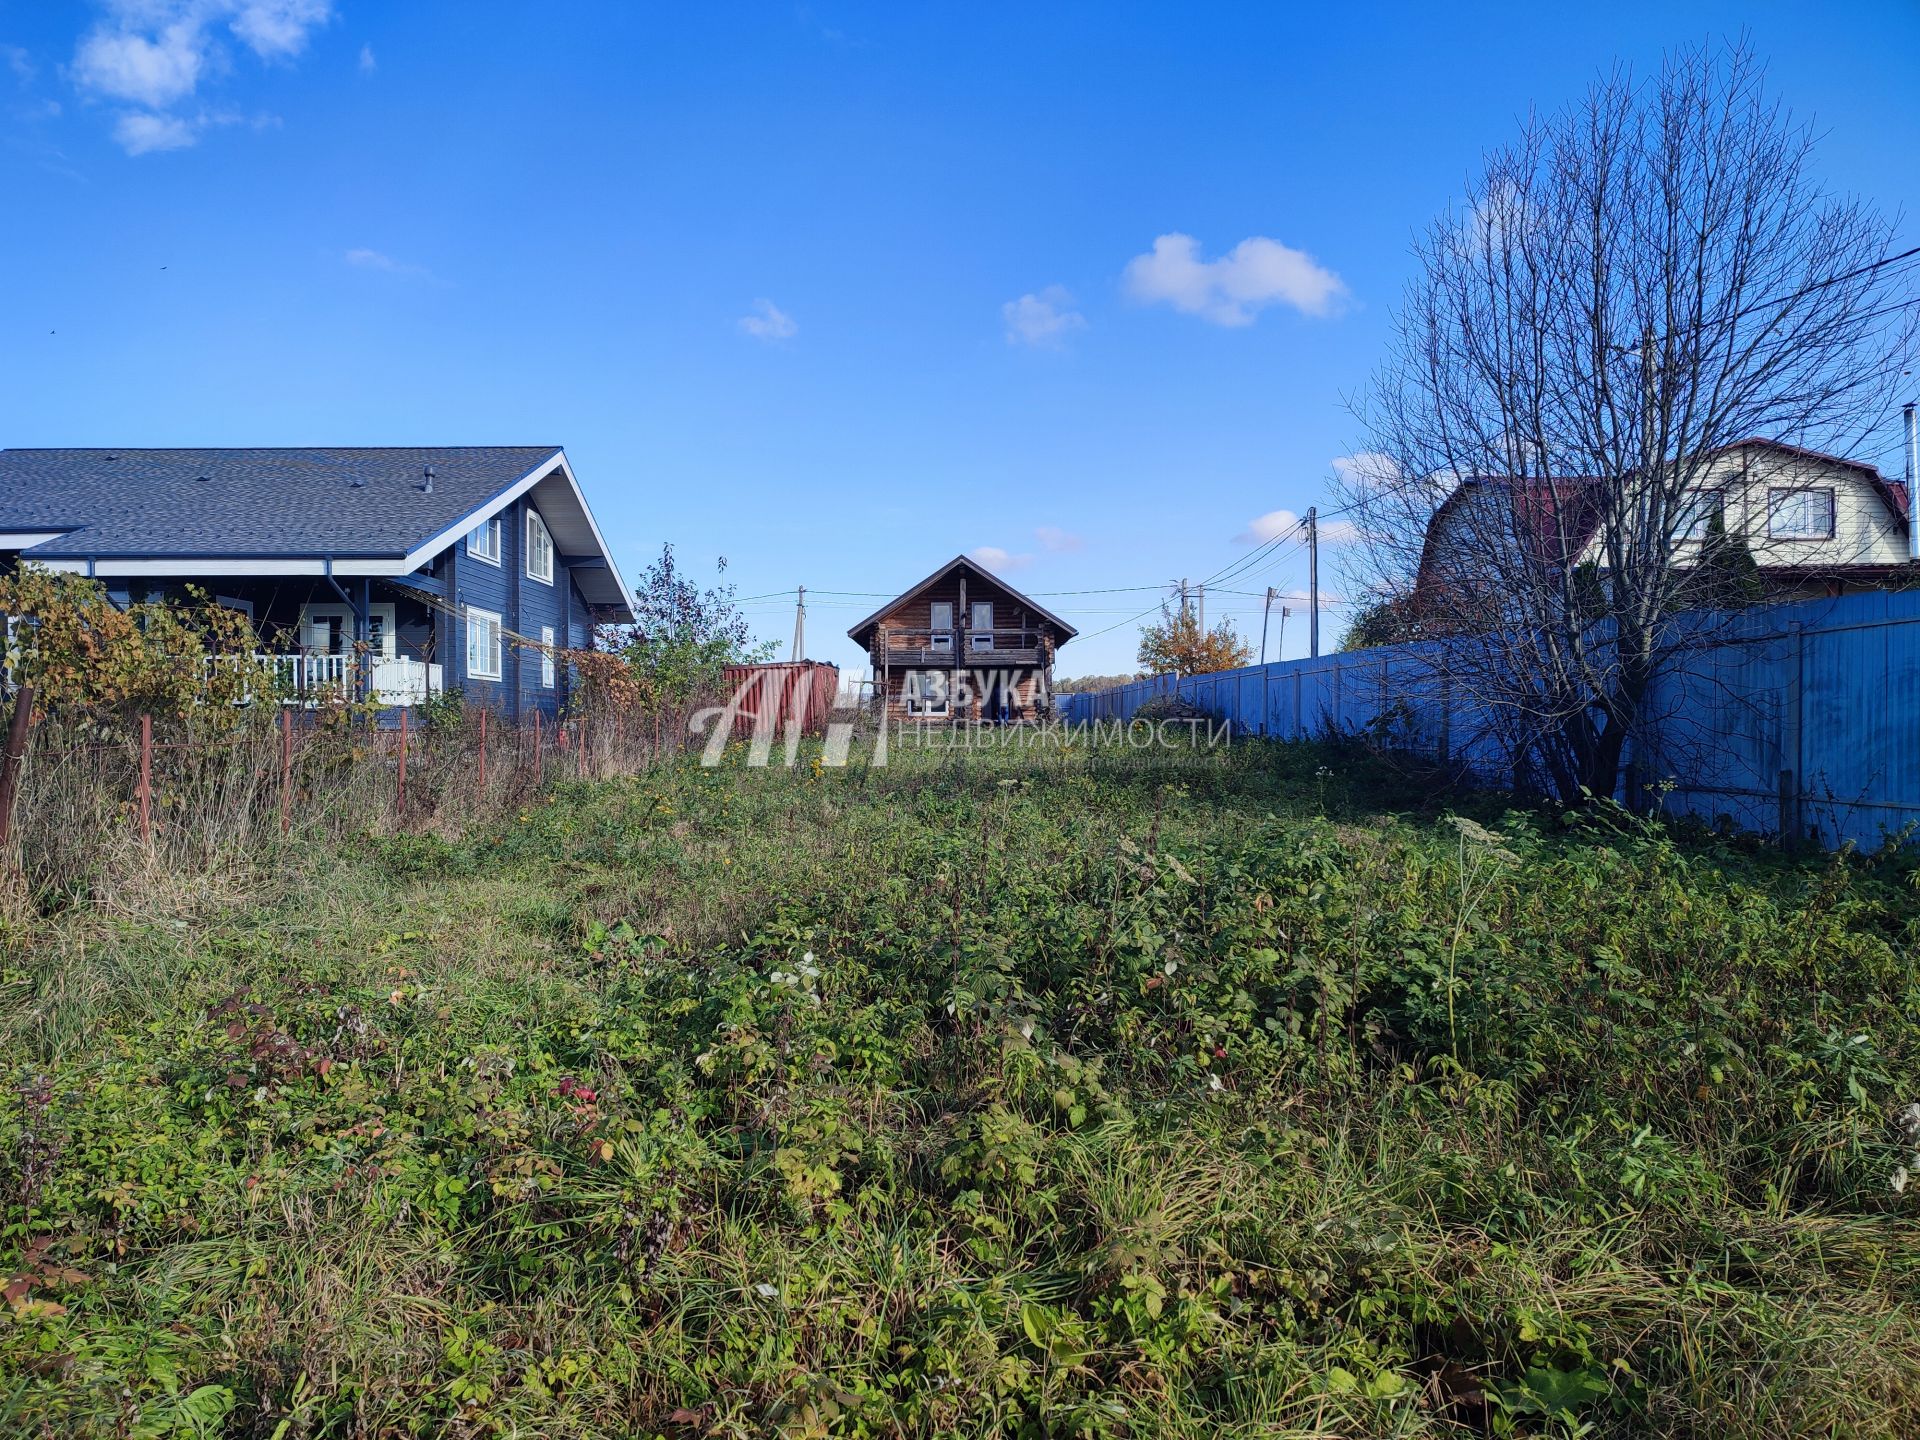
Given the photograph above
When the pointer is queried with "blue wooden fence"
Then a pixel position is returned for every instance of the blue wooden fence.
(1799, 719)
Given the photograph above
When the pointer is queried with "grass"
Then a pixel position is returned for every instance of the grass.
(1263, 1093)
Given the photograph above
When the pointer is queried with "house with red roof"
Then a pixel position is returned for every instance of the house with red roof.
(1816, 525)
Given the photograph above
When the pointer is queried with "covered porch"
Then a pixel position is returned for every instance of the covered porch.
(311, 679)
(326, 642)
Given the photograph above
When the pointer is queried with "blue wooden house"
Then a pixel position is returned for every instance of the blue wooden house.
(402, 571)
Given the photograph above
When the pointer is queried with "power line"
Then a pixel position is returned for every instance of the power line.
(1109, 590)
(1119, 624)
(1809, 289)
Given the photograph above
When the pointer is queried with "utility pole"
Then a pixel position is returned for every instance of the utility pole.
(1313, 580)
(1281, 652)
(1183, 598)
(1266, 609)
(800, 625)
(1203, 607)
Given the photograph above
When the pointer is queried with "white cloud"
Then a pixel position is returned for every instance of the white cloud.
(153, 55)
(768, 322)
(154, 70)
(1053, 538)
(141, 132)
(996, 559)
(1042, 319)
(364, 259)
(1366, 469)
(1277, 523)
(368, 64)
(18, 61)
(278, 29)
(1232, 290)
(1368, 475)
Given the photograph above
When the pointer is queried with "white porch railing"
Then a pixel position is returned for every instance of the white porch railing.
(319, 679)
(402, 680)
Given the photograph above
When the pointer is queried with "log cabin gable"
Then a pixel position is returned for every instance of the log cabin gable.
(925, 642)
(962, 584)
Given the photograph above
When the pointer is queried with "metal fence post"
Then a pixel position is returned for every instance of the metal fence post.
(400, 786)
(286, 769)
(483, 750)
(13, 758)
(146, 779)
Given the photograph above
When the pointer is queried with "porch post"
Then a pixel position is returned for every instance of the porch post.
(455, 641)
(564, 578)
(513, 555)
(362, 635)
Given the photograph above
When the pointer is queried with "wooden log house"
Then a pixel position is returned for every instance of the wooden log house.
(962, 647)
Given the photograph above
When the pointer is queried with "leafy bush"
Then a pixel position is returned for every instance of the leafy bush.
(86, 656)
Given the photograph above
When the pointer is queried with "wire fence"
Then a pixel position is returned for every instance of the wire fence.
(86, 797)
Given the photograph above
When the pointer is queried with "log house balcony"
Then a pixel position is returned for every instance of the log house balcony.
(951, 649)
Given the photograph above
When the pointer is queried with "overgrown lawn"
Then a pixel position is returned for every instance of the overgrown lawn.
(1113, 1094)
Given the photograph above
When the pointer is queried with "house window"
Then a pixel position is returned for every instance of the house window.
(1804, 514)
(1698, 511)
(942, 625)
(539, 549)
(483, 644)
(327, 634)
(329, 630)
(926, 693)
(983, 615)
(483, 541)
(547, 676)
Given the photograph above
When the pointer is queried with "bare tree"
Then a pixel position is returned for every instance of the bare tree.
(1631, 287)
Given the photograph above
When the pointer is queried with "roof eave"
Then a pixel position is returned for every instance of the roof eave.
(907, 595)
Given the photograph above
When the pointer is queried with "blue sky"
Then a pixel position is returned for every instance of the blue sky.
(833, 290)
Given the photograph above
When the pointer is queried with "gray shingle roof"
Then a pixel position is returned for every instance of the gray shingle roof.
(253, 502)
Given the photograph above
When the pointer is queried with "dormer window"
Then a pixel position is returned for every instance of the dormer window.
(483, 541)
(539, 549)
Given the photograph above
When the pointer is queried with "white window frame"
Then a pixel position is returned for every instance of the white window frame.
(549, 672)
(380, 612)
(491, 619)
(1781, 495)
(483, 541)
(982, 607)
(919, 704)
(939, 637)
(539, 542)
